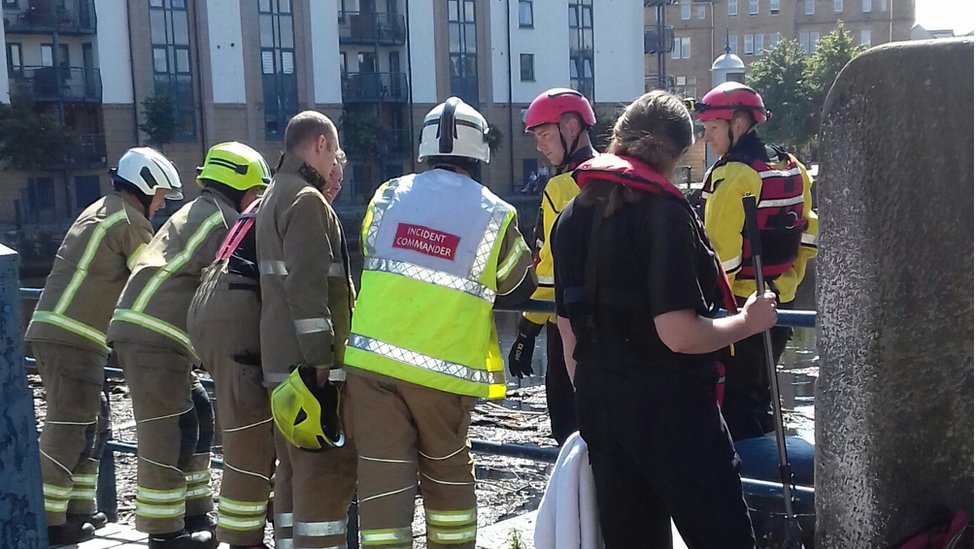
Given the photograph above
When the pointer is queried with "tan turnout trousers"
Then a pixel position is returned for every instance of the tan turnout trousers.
(223, 324)
(173, 470)
(403, 429)
(72, 379)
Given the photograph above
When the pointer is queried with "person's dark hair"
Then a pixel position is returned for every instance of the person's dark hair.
(467, 164)
(307, 126)
(655, 129)
(121, 185)
(234, 195)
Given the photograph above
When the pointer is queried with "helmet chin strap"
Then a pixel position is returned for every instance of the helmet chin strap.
(567, 151)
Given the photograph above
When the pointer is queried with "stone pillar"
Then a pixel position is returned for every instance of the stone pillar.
(894, 401)
(22, 520)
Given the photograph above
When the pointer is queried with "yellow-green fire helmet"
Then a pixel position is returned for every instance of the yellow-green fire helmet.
(306, 415)
(236, 165)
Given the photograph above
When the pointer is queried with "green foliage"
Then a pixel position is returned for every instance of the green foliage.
(362, 134)
(515, 540)
(496, 138)
(794, 86)
(160, 118)
(32, 140)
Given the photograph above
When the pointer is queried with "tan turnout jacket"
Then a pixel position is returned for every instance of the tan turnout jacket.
(306, 289)
(90, 270)
(154, 303)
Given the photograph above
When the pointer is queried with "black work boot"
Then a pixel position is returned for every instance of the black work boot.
(200, 523)
(70, 533)
(98, 520)
(183, 540)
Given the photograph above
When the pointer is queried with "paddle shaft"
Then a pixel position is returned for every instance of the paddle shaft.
(755, 248)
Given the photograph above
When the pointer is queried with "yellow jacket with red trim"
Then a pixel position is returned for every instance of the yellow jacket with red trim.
(725, 218)
(559, 191)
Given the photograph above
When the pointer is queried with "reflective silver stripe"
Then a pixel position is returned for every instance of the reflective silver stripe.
(412, 358)
(320, 529)
(335, 374)
(809, 239)
(388, 535)
(546, 279)
(779, 173)
(512, 260)
(732, 264)
(284, 543)
(380, 206)
(483, 254)
(284, 520)
(430, 276)
(780, 202)
(269, 267)
(305, 326)
(337, 270)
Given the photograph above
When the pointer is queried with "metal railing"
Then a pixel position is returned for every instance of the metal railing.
(373, 87)
(45, 16)
(77, 84)
(385, 29)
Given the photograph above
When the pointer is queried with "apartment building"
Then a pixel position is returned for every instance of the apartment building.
(238, 69)
(701, 29)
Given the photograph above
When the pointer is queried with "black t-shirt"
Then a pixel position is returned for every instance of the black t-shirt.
(651, 259)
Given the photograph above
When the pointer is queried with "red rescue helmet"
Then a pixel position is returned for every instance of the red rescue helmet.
(551, 104)
(723, 100)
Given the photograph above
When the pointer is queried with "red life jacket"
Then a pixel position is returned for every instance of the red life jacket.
(633, 173)
(779, 211)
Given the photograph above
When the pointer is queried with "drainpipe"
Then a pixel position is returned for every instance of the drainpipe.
(511, 124)
(199, 48)
(132, 76)
(413, 157)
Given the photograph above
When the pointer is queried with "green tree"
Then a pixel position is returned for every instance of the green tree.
(834, 51)
(160, 118)
(496, 138)
(780, 77)
(362, 134)
(31, 140)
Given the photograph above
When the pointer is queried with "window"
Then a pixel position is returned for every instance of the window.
(87, 190)
(866, 37)
(773, 40)
(40, 195)
(10, 4)
(686, 47)
(15, 59)
(342, 63)
(676, 48)
(733, 7)
(758, 43)
(753, 7)
(884, 5)
(463, 50)
(838, 6)
(701, 12)
(774, 7)
(527, 67)
(747, 44)
(685, 10)
(866, 6)
(809, 7)
(278, 80)
(734, 43)
(805, 42)
(47, 55)
(525, 14)
(814, 38)
(581, 46)
(172, 70)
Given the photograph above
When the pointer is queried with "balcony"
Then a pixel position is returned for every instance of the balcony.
(383, 29)
(90, 151)
(51, 84)
(374, 87)
(658, 42)
(44, 17)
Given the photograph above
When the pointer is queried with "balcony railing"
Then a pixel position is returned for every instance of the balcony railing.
(372, 28)
(658, 42)
(45, 84)
(373, 87)
(45, 16)
(90, 151)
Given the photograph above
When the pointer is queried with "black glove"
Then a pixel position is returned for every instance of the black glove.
(520, 357)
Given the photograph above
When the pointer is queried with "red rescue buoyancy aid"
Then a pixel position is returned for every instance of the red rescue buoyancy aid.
(779, 211)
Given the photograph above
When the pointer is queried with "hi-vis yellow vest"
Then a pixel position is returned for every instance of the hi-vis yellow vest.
(424, 311)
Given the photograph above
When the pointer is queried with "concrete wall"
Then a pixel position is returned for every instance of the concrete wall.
(895, 395)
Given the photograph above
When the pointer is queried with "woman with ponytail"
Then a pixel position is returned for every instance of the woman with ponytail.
(637, 306)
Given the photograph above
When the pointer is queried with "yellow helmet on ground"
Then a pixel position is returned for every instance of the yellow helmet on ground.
(236, 165)
(308, 415)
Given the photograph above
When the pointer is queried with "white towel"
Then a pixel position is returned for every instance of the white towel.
(568, 517)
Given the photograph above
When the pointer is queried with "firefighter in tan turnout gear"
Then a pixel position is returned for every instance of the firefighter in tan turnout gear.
(440, 250)
(224, 326)
(174, 418)
(306, 303)
(67, 334)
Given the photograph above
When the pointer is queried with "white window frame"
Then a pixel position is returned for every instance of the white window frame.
(747, 48)
(753, 7)
(838, 6)
(866, 37)
(805, 42)
(733, 8)
(773, 39)
(774, 7)
(814, 38)
(701, 12)
(884, 5)
(810, 7)
(866, 6)
(734, 43)
(757, 43)
(686, 47)
(686, 10)
(676, 48)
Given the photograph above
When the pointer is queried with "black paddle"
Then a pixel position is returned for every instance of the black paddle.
(793, 531)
